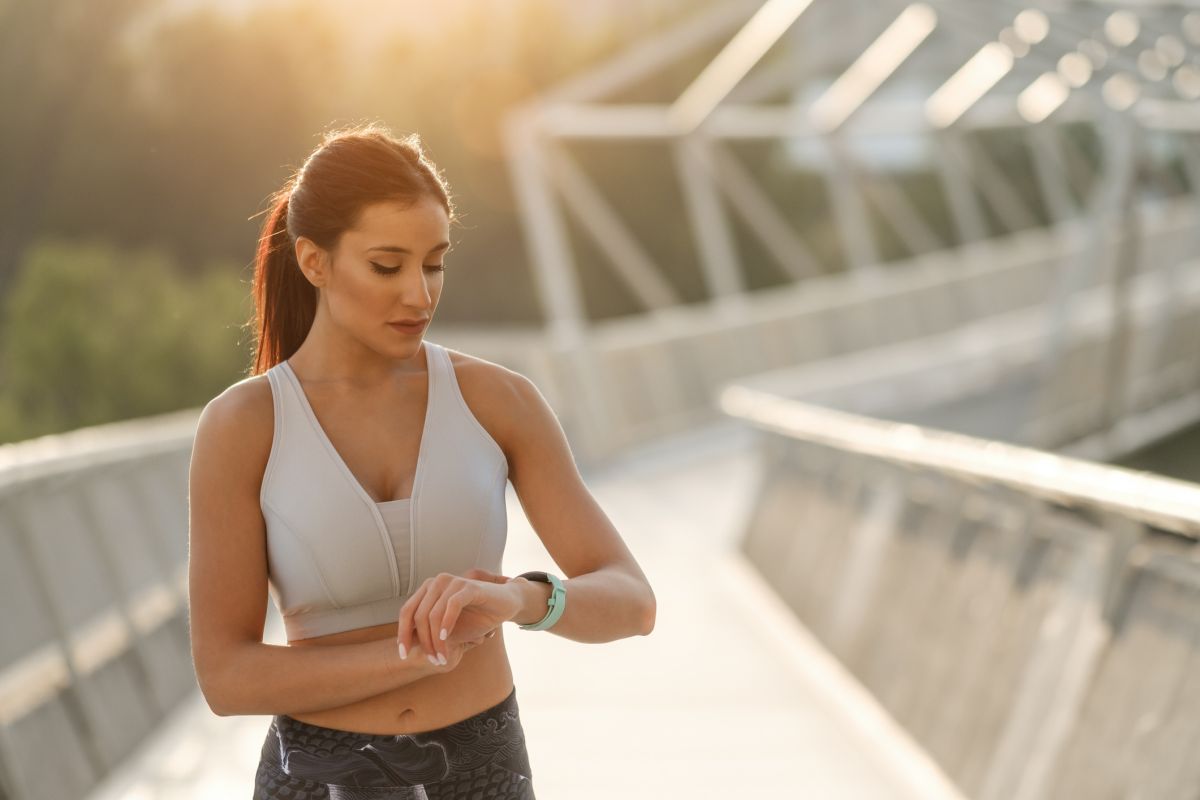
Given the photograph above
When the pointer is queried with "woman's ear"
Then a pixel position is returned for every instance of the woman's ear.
(313, 261)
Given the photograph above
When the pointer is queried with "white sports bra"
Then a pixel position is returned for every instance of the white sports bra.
(339, 560)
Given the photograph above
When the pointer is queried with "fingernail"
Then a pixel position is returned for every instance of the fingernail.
(443, 634)
(433, 660)
(442, 659)
(403, 652)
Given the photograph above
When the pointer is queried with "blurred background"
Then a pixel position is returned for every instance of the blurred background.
(143, 138)
(876, 320)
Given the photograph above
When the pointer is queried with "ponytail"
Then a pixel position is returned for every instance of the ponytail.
(285, 303)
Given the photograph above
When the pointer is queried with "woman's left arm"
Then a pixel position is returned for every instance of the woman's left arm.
(608, 595)
(603, 605)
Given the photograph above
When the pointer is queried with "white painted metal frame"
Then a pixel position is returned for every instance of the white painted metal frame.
(713, 108)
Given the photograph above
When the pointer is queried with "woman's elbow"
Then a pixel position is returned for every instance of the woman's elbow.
(211, 689)
(210, 692)
(649, 611)
(209, 673)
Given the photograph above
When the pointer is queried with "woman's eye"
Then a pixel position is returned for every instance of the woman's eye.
(382, 270)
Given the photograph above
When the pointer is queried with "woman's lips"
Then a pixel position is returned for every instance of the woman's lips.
(415, 328)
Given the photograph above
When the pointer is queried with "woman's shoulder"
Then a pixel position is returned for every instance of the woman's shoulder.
(475, 366)
(241, 418)
(245, 401)
(491, 391)
(477, 376)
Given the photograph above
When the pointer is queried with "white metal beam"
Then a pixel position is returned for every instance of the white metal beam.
(850, 212)
(771, 121)
(734, 62)
(901, 215)
(878, 62)
(1051, 171)
(995, 187)
(651, 54)
(715, 246)
(749, 201)
(961, 198)
(635, 268)
(554, 273)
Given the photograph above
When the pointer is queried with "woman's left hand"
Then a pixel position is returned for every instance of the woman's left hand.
(466, 607)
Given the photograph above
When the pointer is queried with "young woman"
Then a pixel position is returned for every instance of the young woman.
(358, 477)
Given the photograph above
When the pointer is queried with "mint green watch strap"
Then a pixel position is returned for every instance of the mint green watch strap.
(555, 604)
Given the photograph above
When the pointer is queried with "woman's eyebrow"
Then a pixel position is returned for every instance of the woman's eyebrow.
(391, 248)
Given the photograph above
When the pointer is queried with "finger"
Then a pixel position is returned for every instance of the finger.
(423, 621)
(405, 619)
(420, 622)
(454, 606)
(448, 586)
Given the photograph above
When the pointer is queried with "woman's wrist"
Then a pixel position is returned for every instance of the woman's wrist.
(405, 670)
(534, 600)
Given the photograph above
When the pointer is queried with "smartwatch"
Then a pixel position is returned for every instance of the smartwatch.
(555, 604)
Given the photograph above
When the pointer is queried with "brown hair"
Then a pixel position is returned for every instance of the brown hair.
(352, 168)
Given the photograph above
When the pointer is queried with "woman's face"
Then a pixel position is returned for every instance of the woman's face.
(389, 269)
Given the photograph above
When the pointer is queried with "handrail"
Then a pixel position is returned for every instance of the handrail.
(1158, 500)
(71, 453)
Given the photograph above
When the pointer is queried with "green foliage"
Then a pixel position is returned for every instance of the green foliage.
(93, 334)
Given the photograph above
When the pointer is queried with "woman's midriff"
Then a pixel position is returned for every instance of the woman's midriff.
(482, 679)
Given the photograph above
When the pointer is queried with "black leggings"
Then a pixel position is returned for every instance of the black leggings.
(482, 757)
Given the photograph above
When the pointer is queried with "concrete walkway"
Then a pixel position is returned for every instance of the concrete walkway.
(728, 697)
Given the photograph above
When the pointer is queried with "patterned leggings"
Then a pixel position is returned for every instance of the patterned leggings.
(482, 757)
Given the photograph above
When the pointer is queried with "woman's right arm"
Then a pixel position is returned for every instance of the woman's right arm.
(227, 582)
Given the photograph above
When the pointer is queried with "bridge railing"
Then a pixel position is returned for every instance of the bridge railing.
(1033, 620)
(95, 648)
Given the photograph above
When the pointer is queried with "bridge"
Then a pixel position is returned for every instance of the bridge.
(872, 473)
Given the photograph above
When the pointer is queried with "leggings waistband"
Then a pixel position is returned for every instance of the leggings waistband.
(496, 712)
(493, 736)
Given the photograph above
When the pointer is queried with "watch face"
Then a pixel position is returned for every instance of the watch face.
(536, 575)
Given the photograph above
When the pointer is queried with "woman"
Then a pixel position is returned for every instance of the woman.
(358, 477)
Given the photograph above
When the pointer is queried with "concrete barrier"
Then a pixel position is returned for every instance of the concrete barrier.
(1138, 723)
(95, 651)
(1032, 620)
